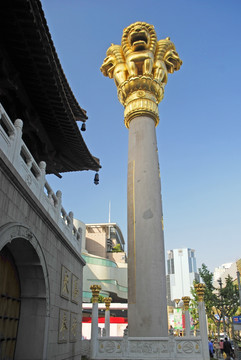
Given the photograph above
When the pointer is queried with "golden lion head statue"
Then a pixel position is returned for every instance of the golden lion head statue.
(137, 37)
(139, 43)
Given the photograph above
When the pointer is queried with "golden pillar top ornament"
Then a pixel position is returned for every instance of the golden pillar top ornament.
(177, 301)
(139, 67)
(200, 289)
(186, 301)
(107, 301)
(95, 292)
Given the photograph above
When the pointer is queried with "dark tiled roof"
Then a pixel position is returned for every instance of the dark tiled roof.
(27, 41)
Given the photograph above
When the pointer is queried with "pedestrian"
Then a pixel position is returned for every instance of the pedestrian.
(210, 347)
(221, 346)
(227, 348)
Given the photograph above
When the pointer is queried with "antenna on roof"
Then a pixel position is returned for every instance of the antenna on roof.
(109, 242)
(109, 210)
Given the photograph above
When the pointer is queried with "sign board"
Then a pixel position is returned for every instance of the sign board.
(237, 319)
(178, 323)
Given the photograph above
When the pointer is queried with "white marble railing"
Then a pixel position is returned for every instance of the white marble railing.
(12, 145)
(150, 348)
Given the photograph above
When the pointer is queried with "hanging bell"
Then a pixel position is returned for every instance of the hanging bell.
(83, 126)
(96, 179)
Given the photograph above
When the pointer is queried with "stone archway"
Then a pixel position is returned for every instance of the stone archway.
(25, 249)
(10, 303)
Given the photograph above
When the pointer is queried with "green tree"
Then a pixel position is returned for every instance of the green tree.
(221, 302)
(229, 301)
(100, 299)
(211, 298)
(117, 248)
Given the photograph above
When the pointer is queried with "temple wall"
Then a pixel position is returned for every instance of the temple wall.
(50, 271)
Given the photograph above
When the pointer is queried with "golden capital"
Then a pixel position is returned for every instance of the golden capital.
(200, 289)
(107, 301)
(95, 292)
(139, 67)
(186, 301)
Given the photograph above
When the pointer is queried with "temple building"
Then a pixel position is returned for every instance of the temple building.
(41, 265)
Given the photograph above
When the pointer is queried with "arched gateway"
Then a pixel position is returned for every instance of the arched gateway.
(24, 298)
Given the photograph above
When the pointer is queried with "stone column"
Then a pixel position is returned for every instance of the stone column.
(140, 67)
(200, 288)
(147, 307)
(94, 323)
(186, 300)
(107, 301)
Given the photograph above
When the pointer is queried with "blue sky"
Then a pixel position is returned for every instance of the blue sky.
(199, 134)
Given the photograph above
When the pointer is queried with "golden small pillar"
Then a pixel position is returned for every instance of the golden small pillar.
(95, 292)
(177, 301)
(140, 67)
(107, 301)
(94, 323)
(200, 289)
(186, 301)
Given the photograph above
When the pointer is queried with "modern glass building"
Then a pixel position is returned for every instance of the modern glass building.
(181, 272)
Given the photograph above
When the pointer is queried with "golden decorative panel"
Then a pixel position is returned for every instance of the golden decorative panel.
(65, 290)
(63, 335)
(75, 289)
(74, 327)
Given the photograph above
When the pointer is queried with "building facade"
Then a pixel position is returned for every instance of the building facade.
(225, 270)
(106, 261)
(181, 272)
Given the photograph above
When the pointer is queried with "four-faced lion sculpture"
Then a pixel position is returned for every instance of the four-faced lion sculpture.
(114, 65)
(166, 60)
(141, 54)
(139, 42)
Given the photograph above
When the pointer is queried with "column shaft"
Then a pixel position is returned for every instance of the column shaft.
(147, 307)
(187, 323)
(203, 329)
(107, 322)
(94, 330)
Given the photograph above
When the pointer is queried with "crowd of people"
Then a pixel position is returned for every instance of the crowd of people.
(223, 349)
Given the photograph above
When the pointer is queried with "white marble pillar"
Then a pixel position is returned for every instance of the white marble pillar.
(94, 323)
(147, 307)
(187, 323)
(202, 320)
(107, 322)
(186, 300)
(107, 301)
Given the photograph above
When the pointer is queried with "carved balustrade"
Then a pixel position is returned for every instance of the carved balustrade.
(16, 151)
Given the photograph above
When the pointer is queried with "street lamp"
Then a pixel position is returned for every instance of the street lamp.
(221, 296)
(239, 287)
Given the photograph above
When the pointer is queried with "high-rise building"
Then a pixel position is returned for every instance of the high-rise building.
(181, 272)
